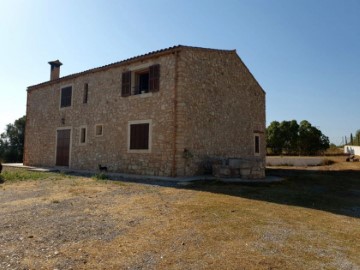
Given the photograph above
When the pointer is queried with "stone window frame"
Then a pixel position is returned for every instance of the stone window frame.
(134, 72)
(257, 143)
(72, 95)
(80, 135)
(142, 151)
(102, 130)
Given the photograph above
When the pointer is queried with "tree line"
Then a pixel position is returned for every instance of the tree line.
(291, 138)
(354, 140)
(12, 141)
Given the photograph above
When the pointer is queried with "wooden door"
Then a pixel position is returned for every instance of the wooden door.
(63, 147)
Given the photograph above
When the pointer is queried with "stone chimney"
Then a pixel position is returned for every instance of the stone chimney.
(55, 69)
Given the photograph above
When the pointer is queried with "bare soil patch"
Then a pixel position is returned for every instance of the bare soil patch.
(309, 221)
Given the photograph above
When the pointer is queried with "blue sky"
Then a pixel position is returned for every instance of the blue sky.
(305, 54)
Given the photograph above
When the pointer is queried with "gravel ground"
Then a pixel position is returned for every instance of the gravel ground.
(80, 223)
(40, 220)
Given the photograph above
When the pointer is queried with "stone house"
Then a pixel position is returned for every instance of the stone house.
(179, 111)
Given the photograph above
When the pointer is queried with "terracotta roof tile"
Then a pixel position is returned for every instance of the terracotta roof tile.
(149, 54)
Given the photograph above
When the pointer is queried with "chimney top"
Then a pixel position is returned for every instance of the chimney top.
(55, 63)
(55, 69)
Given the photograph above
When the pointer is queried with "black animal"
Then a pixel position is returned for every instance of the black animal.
(0, 167)
(102, 168)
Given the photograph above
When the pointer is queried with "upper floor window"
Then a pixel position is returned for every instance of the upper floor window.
(141, 81)
(66, 94)
(86, 91)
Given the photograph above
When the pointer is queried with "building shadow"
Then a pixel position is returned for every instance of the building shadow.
(337, 192)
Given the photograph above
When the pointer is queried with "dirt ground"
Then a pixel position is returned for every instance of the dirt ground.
(309, 221)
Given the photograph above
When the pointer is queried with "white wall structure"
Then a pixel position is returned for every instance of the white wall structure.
(352, 150)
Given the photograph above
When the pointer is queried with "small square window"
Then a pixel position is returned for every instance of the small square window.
(66, 94)
(82, 135)
(99, 130)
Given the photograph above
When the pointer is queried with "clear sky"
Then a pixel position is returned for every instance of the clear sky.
(304, 53)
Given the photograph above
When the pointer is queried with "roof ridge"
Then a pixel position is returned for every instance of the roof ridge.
(149, 54)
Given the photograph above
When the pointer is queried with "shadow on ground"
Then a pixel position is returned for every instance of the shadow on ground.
(333, 191)
(337, 192)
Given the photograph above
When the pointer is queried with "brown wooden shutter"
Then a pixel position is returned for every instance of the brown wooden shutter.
(126, 84)
(66, 97)
(139, 136)
(63, 147)
(154, 78)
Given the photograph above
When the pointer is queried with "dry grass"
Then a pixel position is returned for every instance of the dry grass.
(309, 221)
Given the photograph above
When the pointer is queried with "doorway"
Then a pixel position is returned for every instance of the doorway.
(63, 147)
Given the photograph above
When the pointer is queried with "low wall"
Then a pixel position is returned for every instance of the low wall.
(352, 150)
(294, 161)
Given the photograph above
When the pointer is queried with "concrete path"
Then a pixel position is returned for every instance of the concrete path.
(125, 176)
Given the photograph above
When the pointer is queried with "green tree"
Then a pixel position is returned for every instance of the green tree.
(357, 137)
(288, 137)
(289, 134)
(12, 141)
(274, 140)
(311, 139)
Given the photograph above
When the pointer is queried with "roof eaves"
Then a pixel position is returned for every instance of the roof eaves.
(128, 60)
(101, 68)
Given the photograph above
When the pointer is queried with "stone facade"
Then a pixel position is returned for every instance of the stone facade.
(209, 108)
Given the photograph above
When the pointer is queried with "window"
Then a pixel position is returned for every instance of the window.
(85, 96)
(141, 81)
(139, 136)
(257, 144)
(98, 130)
(82, 135)
(66, 93)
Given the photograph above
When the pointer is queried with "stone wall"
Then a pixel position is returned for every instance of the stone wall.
(209, 108)
(105, 106)
(220, 109)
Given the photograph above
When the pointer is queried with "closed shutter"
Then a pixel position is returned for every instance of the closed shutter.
(126, 84)
(154, 78)
(139, 136)
(66, 96)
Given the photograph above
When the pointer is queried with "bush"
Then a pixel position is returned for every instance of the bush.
(327, 162)
(101, 176)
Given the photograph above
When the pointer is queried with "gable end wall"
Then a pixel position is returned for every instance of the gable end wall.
(220, 108)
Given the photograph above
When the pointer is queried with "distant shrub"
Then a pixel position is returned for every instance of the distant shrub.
(101, 176)
(327, 162)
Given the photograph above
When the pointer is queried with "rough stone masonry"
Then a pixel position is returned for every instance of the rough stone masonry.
(180, 111)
